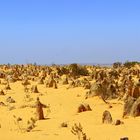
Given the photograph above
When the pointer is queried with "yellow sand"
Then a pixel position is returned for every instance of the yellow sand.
(64, 103)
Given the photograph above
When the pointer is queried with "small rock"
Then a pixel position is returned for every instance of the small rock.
(125, 138)
(64, 124)
(110, 106)
(10, 100)
(107, 118)
(7, 87)
(2, 92)
(19, 119)
(83, 108)
(34, 89)
(117, 122)
(2, 104)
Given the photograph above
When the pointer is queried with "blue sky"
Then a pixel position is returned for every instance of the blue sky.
(68, 31)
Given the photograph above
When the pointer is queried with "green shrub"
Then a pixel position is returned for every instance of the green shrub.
(117, 64)
(77, 70)
(128, 64)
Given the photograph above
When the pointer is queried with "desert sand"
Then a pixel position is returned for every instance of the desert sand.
(62, 108)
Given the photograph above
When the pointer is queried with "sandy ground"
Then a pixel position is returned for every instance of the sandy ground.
(63, 105)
